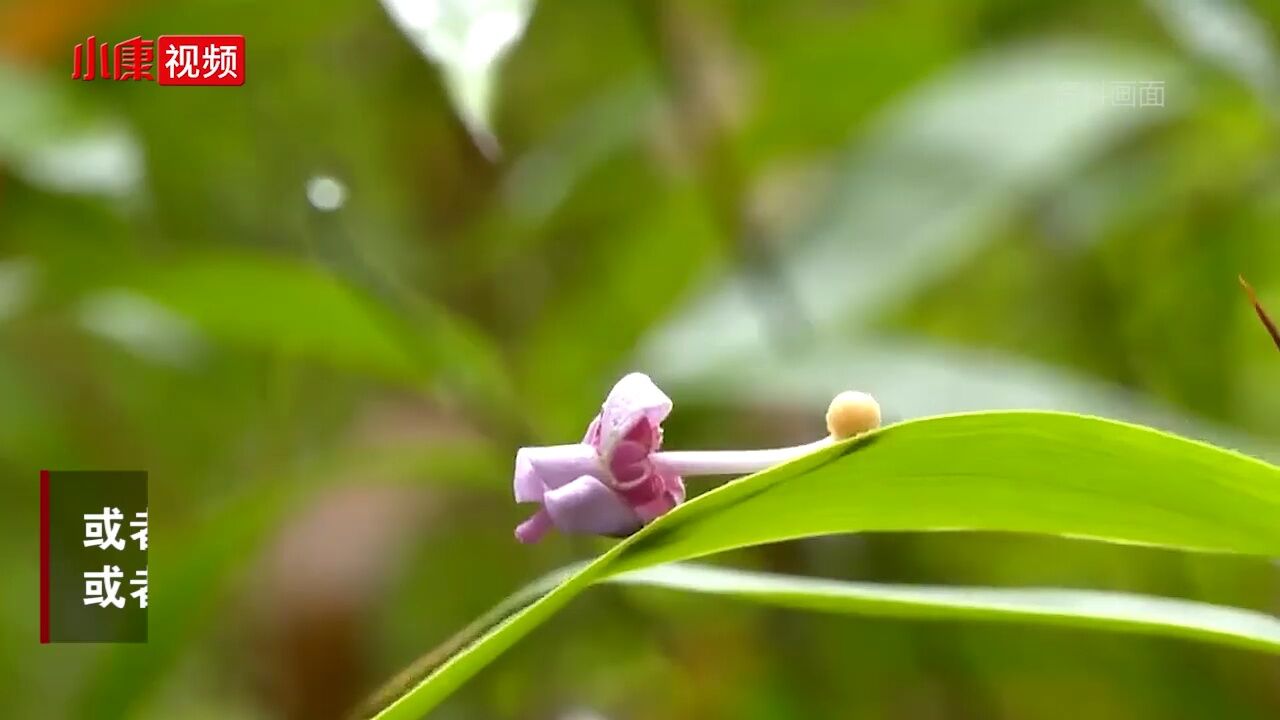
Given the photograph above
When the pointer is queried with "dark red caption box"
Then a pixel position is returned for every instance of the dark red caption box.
(200, 59)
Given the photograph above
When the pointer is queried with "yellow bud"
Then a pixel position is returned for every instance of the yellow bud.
(852, 413)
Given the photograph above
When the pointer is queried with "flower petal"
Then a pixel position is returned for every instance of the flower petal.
(633, 398)
(629, 463)
(675, 486)
(532, 530)
(539, 469)
(587, 506)
(671, 495)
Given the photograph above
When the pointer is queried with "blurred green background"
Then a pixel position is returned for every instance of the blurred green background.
(324, 309)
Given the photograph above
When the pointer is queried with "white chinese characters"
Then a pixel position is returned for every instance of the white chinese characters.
(102, 588)
(1127, 93)
(140, 534)
(183, 61)
(186, 61)
(105, 531)
(220, 62)
(140, 581)
(102, 530)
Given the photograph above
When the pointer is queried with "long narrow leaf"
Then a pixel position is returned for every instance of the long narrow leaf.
(1054, 606)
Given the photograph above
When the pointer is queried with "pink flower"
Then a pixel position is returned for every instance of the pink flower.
(608, 484)
(617, 480)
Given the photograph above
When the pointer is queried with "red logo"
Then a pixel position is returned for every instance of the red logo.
(169, 60)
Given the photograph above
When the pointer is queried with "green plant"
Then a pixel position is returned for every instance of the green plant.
(1029, 472)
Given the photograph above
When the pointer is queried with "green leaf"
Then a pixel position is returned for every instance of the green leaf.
(1049, 473)
(466, 38)
(540, 180)
(919, 193)
(284, 306)
(1055, 606)
(1230, 34)
(57, 142)
(303, 311)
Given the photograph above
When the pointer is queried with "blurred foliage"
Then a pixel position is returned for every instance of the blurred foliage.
(758, 203)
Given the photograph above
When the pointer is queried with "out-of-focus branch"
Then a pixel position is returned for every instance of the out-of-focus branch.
(703, 82)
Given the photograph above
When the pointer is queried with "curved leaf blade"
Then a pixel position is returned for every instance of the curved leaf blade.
(1056, 606)
(1034, 472)
(1051, 473)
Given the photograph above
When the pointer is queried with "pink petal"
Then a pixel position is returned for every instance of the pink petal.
(634, 398)
(629, 463)
(532, 530)
(644, 490)
(671, 495)
(593, 432)
(539, 469)
(675, 486)
(645, 432)
(587, 506)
